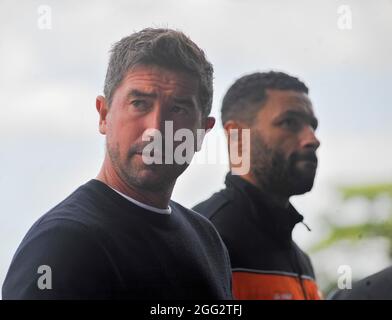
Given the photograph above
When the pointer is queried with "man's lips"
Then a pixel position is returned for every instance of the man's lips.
(309, 160)
(309, 163)
(154, 155)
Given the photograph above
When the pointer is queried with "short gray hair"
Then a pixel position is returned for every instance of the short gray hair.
(165, 48)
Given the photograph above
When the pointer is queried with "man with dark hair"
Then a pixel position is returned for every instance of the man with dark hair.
(119, 236)
(253, 213)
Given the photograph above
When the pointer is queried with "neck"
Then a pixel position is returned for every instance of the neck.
(281, 201)
(108, 175)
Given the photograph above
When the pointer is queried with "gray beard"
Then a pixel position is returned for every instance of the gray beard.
(129, 173)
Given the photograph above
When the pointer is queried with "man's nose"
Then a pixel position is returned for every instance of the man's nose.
(156, 119)
(309, 139)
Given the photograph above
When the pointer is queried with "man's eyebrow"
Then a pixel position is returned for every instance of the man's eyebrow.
(141, 94)
(312, 120)
(300, 100)
(184, 100)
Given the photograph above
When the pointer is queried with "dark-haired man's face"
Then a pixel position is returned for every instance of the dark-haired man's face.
(283, 144)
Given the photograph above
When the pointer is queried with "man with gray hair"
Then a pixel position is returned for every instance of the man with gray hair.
(119, 236)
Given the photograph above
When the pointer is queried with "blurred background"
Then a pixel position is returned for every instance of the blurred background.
(53, 59)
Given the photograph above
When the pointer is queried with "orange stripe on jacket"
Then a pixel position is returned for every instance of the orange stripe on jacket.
(258, 286)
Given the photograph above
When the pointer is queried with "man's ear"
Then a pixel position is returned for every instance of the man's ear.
(233, 132)
(102, 108)
(238, 138)
(207, 125)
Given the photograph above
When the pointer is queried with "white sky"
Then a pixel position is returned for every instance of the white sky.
(49, 80)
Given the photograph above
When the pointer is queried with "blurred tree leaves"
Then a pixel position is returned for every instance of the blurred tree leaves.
(368, 229)
(369, 192)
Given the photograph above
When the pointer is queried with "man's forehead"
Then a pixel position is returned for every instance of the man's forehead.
(154, 78)
(289, 100)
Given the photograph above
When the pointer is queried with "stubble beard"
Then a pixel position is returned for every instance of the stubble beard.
(152, 178)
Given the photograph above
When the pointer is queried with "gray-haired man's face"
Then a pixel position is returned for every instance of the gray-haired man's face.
(148, 98)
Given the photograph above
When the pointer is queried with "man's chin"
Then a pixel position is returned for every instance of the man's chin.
(301, 189)
(152, 180)
(302, 186)
(154, 177)
(302, 181)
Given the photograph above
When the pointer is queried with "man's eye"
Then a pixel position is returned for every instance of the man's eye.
(179, 109)
(139, 104)
(291, 124)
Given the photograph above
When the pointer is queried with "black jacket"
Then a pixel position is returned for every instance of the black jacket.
(266, 263)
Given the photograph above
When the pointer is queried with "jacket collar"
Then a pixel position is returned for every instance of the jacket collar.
(280, 221)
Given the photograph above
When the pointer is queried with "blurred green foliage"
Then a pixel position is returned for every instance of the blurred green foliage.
(369, 192)
(368, 229)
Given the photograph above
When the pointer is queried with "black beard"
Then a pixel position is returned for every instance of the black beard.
(276, 174)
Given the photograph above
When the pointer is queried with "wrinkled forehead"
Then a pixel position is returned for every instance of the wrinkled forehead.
(152, 78)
